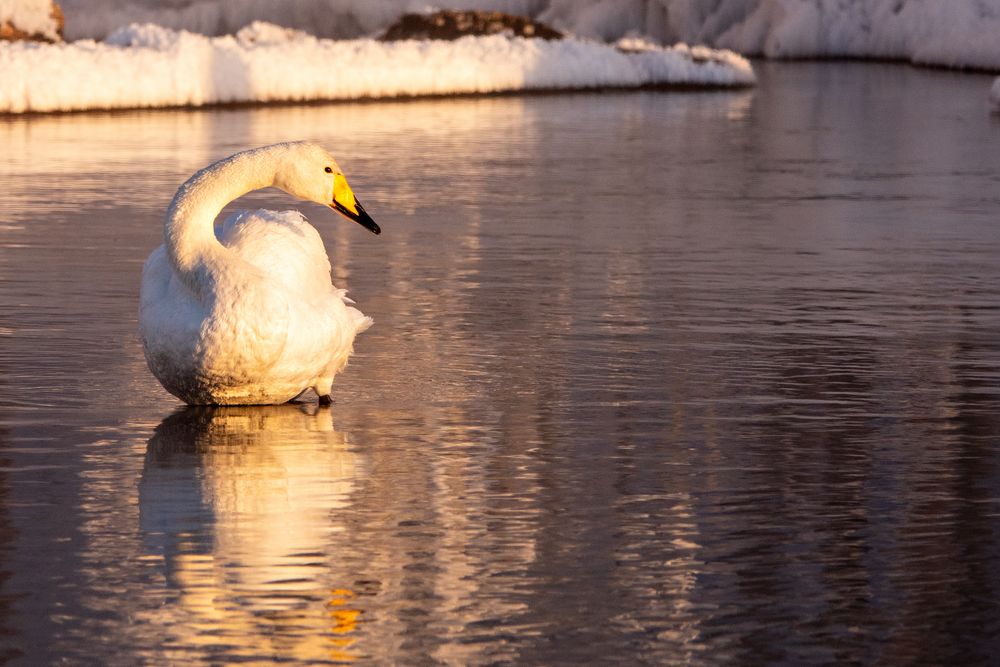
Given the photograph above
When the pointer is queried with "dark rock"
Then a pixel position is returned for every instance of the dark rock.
(453, 24)
(11, 32)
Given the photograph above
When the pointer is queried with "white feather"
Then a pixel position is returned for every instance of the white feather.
(249, 315)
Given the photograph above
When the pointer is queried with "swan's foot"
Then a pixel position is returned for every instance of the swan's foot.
(324, 400)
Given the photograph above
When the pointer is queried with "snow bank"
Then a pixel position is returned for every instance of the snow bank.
(96, 19)
(955, 33)
(340, 19)
(31, 16)
(938, 32)
(150, 66)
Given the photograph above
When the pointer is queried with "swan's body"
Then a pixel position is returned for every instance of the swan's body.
(247, 314)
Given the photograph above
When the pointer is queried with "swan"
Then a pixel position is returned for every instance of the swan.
(246, 314)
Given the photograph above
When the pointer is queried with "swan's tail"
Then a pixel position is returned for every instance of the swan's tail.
(361, 321)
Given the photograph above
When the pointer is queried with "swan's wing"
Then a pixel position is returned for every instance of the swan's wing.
(283, 245)
(289, 250)
(169, 319)
(166, 308)
(156, 275)
(291, 255)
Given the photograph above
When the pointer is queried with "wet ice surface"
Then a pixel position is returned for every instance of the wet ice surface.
(654, 378)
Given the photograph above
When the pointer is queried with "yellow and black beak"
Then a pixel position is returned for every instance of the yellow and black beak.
(345, 203)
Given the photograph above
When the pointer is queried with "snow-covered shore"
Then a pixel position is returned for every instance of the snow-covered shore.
(953, 33)
(188, 69)
(150, 66)
(950, 33)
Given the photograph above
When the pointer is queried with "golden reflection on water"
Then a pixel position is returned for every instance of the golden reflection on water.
(242, 502)
(603, 412)
(99, 150)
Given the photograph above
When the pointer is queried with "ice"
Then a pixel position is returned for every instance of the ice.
(955, 33)
(151, 66)
(340, 19)
(960, 33)
(324, 18)
(31, 16)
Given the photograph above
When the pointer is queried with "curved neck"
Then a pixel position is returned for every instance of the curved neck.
(189, 233)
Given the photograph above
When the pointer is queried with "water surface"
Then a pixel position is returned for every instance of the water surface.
(656, 378)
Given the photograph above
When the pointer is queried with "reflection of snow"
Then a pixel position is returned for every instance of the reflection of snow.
(150, 66)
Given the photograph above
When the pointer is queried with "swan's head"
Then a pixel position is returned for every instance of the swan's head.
(310, 173)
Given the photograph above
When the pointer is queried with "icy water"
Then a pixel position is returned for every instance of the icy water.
(656, 378)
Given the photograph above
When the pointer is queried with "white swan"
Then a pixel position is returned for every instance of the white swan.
(247, 314)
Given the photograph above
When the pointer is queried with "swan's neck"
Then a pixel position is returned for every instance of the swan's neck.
(189, 233)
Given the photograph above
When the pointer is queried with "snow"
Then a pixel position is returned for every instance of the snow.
(31, 16)
(340, 19)
(955, 33)
(96, 19)
(151, 66)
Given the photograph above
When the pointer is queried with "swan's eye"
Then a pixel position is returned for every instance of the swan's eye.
(328, 170)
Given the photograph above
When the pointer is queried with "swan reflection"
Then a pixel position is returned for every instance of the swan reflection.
(240, 503)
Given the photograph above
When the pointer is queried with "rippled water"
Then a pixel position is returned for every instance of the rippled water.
(656, 378)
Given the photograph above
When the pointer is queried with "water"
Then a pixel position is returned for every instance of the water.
(656, 378)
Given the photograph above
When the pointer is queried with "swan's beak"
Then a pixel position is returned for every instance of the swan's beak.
(345, 203)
